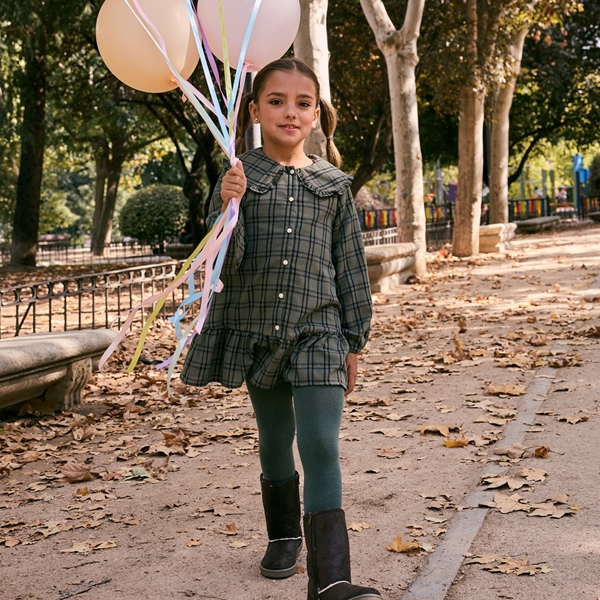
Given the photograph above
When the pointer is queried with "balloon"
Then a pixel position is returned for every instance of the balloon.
(130, 53)
(273, 33)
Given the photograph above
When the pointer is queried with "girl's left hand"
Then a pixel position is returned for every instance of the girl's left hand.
(352, 367)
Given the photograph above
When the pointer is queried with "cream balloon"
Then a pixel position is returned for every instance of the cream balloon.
(131, 55)
(273, 33)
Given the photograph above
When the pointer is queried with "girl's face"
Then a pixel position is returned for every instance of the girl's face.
(287, 109)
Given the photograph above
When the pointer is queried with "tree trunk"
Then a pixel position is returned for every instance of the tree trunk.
(500, 135)
(29, 183)
(400, 51)
(467, 211)
(311, 47)
(101, 160)
(103, 216)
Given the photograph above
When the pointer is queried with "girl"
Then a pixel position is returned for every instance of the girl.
(292, 317)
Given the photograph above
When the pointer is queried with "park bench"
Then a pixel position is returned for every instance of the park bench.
(537, 224)
(50, 369)
(389, 265)
(496, 237)
(52, 240)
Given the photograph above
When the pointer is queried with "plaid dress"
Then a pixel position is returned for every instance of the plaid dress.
(296, 295)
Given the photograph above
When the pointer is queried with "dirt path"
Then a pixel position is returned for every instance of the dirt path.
(191, 526)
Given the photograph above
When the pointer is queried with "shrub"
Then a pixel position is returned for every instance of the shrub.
(154, 214)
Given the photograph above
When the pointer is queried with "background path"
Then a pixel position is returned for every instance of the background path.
(441, 353)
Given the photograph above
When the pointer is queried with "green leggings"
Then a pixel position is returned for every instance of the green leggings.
(316, 413)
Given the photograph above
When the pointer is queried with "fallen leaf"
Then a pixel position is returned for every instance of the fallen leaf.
(391, 452)
(89, 546)
(75, 472)
(574, 419)
(532, 474)
(509, 390)
(457, 442)
(230, 529)
(358, 526)
(542, 452)
(193, 543)
(507, 564)
(442, 429)
(496, 481)
(395, 432)
(507, 504)
(405, 547)
(239, 544)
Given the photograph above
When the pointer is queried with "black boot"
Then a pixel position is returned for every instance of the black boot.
(281, 502)
(328, 558)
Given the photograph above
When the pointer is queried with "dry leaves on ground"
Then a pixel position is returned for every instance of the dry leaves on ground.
(554, 507)
(89, 546)
(507, 564)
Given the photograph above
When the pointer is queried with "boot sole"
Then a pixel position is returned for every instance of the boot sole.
(279, 573)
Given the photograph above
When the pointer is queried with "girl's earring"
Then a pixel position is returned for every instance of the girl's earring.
(256, 121)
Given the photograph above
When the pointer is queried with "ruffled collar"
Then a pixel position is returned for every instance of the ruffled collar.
(321, 177)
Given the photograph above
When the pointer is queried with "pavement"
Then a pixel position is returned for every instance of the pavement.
(468, 374)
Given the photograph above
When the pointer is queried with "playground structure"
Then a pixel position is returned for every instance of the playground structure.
(538, 197)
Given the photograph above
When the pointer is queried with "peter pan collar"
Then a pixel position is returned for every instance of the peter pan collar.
(321, 177)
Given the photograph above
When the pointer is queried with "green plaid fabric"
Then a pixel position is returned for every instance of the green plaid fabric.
(296, 295)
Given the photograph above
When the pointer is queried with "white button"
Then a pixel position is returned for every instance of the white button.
(289, 230)
(292, 172)
(291, 198)
(285, 262)
(276, 327)
(281, 295)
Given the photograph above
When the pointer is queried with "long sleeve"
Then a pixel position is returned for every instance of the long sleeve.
(352, 279)
(237, 244)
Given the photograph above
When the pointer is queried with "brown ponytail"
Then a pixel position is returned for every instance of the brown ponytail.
(328, 124)
(243, 123)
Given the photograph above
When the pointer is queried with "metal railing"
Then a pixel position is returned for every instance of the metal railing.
(81, 254)
(86, 301)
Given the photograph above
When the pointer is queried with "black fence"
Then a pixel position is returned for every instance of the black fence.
(65, 252)
(87, 301)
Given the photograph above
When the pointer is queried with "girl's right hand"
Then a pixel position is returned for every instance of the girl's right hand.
(233, 184)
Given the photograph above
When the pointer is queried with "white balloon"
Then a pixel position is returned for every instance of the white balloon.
(273, 33)
(131, 55)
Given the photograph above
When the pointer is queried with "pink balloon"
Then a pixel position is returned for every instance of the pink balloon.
(131, 55)
(274, 30)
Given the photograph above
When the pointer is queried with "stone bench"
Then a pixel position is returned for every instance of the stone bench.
(389, 265)
(594, 216)
(496, 237)
(537, 224)
(51, 368)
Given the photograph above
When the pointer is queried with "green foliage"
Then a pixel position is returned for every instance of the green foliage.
(154, 214)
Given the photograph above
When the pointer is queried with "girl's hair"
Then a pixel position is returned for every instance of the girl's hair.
(328, 113)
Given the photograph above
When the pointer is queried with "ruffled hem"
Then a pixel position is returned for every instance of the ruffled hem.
(231, 357)
(219, 355)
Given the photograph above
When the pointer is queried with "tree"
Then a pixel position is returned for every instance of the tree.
(540, 13)
(558, 93)
(95, 112)
(311, 47)
(399, 47)
(41, 27)
(499, 151)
